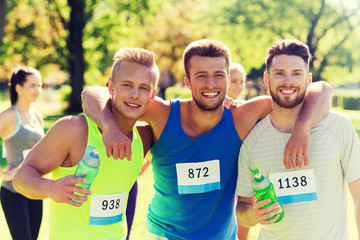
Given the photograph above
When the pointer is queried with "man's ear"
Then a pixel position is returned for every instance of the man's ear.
(111, 87)
(187, 83)
(267, 80)
(308, 79)
(153, 95)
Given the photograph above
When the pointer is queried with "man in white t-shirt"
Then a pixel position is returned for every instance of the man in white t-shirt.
(313, 197)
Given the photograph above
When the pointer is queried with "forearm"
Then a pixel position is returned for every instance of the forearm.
(316, 105)
(245, 214)
(96, 105)
(30, 183)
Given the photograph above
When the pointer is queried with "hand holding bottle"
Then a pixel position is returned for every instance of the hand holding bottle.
(267, 209)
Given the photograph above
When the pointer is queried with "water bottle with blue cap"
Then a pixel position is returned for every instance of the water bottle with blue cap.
(88, 167)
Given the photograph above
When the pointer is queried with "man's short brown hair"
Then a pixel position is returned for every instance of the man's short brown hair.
(206, 48)
(288, 47)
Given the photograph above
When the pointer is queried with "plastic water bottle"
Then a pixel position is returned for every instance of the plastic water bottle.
(88, 168)
(264, 189)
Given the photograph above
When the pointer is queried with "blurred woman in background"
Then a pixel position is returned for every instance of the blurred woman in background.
(20, 129)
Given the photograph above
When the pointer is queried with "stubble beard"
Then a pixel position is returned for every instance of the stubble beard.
(285, 103)
(205, 107)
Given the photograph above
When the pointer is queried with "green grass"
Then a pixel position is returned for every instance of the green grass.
(145, 183)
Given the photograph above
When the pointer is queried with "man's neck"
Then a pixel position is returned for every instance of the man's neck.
(196, 121)
(284, 119)
(126, 125)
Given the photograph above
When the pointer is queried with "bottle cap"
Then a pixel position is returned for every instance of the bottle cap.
(93, 159)
(255, 171)
(94, 154)
(259, 177)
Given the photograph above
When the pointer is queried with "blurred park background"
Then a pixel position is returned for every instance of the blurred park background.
(72, 43)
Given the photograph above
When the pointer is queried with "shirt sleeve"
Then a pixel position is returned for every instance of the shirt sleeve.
(244, 180)
(350, 157)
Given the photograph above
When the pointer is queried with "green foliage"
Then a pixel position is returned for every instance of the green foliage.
(166, 27)
(177, 92)
(351, 103)
(64, 93)
(347, 99)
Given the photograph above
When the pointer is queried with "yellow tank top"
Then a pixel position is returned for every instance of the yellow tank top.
(103, 215)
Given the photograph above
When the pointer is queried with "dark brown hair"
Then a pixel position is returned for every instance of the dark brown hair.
(205, 48)
(19, 77)
(288, 47)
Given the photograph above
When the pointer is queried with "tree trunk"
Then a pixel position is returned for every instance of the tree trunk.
(76, 53)
(3, 8)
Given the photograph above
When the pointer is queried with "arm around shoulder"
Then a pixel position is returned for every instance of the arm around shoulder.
(249, 113)
(317, 105)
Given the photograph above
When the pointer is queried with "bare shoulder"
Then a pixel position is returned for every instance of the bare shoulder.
(8, 123)
(70, 125)
(8, 115)
(158, 109)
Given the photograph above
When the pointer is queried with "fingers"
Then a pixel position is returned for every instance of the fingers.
(265, 214)
(295, 158)
(306, 158)
(128, 153)
(119, 149)
(286, 159)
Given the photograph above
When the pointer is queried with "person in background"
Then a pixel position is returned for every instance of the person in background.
(20, 129)
(235, 91)
(100, 214)
(313, 198)
(238, 81)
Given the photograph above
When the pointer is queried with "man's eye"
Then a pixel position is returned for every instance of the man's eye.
(144, 88)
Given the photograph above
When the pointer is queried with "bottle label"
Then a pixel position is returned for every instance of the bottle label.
(107, 209)
(294, 186)
(198, 177)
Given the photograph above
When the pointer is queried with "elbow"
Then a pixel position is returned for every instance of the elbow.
(244, 214)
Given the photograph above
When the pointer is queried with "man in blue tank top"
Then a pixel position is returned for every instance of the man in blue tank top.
(196, 145)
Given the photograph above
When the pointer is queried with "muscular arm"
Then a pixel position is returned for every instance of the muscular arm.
(355, 193)
(61, 146)
(317, 104)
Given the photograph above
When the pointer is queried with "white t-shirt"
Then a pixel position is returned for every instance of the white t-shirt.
(334, 157)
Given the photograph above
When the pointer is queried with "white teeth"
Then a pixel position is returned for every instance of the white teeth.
(287, 91)
(133, 105)
(210, 94)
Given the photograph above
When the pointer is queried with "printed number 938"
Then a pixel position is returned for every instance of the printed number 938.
(112, 204)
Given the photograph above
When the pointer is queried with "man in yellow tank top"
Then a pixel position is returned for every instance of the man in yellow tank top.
(132, 84)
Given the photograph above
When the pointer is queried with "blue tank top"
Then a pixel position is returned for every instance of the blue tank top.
(206, 210)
